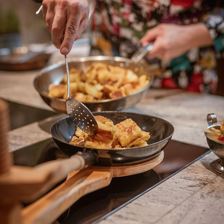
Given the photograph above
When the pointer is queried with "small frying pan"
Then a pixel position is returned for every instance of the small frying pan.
(161, 132)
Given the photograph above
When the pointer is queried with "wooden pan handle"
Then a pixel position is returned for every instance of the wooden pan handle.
(51, 206)
(31, 182)
(59, 169)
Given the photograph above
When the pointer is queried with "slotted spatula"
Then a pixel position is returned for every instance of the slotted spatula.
(81, 115)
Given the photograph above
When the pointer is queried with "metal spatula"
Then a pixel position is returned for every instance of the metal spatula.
(81, 115)
(141, 53)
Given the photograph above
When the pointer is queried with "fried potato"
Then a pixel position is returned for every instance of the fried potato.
(125, 134)
(57, 91)
(104, 123)
(141, 141)
(94, 91)
(97, 145)
(99, 81)
(127, 131)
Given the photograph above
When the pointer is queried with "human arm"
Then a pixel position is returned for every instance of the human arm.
(171, 40)
(209, 31)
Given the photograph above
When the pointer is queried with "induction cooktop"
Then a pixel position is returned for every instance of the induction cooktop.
(97, 205)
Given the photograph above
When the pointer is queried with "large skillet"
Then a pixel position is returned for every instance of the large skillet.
(161, 132)
(54, 74)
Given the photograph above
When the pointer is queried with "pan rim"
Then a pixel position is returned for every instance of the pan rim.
(117, 149)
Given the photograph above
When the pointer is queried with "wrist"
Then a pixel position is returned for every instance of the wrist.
(199, 35)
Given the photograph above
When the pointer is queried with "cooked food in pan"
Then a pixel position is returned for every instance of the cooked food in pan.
(126, 134)
(100, 81)
(217, 133)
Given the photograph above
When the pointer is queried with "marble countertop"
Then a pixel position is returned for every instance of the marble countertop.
(194, 195)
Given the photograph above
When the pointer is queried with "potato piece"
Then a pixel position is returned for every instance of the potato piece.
(80, 133)
(104, 136)
(127, 89)
(78, 141)
(74, 76)
(138, 143)
(131, 77)
(222, 128)
(57, 91)
(89, 98)
(116, 144)
(127, 131)
(143, 80)
(107, 89)
(117, 94)
(73, 87)
(80, 97)
(105, 124)
(81, 87)
(79, 138)
(97, 145)
(141, 141)
(103, 76)
(93, 91)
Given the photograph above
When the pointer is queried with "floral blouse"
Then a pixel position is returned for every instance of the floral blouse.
(119, 24)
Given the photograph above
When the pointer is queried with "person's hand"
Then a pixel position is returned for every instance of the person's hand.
(170, 41)
(66, 20)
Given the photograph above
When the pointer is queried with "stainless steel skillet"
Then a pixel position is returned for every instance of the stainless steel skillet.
(54, 74)
(161, 132)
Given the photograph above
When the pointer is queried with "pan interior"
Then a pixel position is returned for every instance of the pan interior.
(160, 129)
(55, 73)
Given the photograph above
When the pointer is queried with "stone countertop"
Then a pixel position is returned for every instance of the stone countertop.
(194, 195)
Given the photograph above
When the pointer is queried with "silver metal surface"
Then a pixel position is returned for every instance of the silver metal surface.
(68, 79)
(139, 55)
(218, 166)
(79, 113)
(39, 10)
(211, 119)
(216, 146)
(54, 74)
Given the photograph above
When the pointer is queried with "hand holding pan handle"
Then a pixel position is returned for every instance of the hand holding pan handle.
(139, 55)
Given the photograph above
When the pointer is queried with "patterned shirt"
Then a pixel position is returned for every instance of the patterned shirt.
(119, 24)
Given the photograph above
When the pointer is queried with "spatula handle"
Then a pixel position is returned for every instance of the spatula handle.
(68, 78)
(140, 54)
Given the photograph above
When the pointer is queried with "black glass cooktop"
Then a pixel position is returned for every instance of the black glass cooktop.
(94, 207)
(20, 114)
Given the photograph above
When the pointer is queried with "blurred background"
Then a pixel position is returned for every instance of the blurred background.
(19, 25)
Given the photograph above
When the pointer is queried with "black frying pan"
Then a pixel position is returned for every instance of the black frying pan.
(160, 129)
